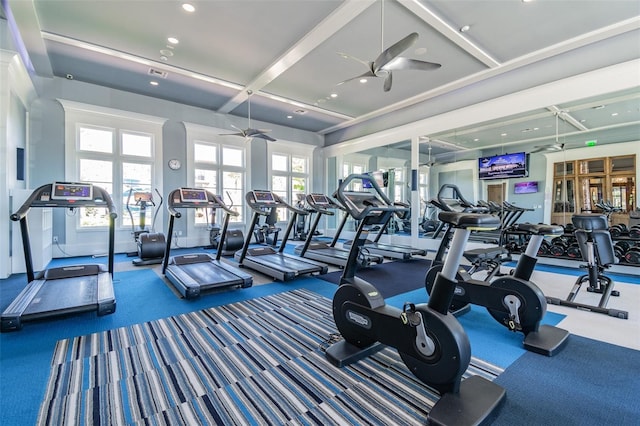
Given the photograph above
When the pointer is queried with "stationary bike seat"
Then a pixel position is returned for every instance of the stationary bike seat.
(540, 229)
(470, 220)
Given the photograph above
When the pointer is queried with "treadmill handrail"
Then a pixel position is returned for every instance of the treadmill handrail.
(213, 202)
(101, 198)
(41, 198)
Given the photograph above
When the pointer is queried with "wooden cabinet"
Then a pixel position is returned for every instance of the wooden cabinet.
(580, 185)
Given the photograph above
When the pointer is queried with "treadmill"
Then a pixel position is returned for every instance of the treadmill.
(391, 251)
(329, 253)
(192, 274)
(265, 259)
(67, 289)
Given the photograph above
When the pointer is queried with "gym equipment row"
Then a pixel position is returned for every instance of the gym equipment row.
(429, 339)
(566, 246)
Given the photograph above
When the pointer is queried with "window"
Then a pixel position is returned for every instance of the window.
(289, 178)
(118, 151)
(219, 165)
(125, 165)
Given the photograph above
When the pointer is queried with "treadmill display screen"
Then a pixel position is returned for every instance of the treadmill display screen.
(72, 191)
(320, 199)
(265, 197)
(193, 195)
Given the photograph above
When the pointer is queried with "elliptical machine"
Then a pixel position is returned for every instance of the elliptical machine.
(150, 245)
(233, 239)
(429, 339)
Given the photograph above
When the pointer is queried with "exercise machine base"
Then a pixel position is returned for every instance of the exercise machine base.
(548, 340)
(475, 404)
(343, 353)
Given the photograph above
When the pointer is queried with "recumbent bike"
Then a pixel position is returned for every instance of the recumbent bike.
(429, 339)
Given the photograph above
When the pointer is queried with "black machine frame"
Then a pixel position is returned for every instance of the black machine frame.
(49, 293)
(191, 274)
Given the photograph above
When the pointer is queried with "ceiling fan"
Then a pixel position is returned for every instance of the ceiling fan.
(389, 60)
(430, 162)
(249, 132)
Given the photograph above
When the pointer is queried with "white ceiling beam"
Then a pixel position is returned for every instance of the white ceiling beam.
(428, 16)
(340, 17)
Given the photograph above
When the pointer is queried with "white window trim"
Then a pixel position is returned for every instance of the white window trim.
(84, 241)
(200, 133)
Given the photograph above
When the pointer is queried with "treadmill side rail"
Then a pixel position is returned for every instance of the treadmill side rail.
(106, 302)
(11, 317)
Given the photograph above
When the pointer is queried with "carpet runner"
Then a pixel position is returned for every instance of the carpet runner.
(253, 362)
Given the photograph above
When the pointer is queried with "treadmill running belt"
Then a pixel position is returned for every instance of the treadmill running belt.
(65, 293)
(207, 273)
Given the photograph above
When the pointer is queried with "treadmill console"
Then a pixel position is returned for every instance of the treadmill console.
(72, 191)
(193, 195)
(264, 197)
(320, 200)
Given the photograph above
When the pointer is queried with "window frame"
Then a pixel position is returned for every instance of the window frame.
(77, 116)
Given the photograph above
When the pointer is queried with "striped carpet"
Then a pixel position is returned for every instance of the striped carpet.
(252, 362)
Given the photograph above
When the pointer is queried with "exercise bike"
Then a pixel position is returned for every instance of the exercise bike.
(150, 245)
(430, 340)
(512, 300)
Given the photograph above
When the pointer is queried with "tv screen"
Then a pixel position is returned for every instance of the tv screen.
(382, 179)
(525, 187)
(503, 166)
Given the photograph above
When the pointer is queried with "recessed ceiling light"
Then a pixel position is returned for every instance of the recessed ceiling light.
(613, 114)
(187, 7)
(363, 80)
(334, 95)
(154, 83)
(503, 134)
(465, 28)
(173, 40)
(289, 116)
(166, 52)
(163, 58)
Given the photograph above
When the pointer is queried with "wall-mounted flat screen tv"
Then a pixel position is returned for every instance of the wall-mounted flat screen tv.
(503, 166)
(525, 187)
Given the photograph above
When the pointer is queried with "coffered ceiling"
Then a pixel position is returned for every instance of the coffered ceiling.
(291, 55)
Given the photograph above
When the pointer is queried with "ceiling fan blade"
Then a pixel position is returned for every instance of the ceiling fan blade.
(231, 134)
(365, 75)
(263, 136)
(388, 81)
(548, 148)
(365, 63)
(401, 63)
(392, 52)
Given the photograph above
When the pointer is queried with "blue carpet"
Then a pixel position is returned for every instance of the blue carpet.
(390, 278)
(588, 383)
(141, 295)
